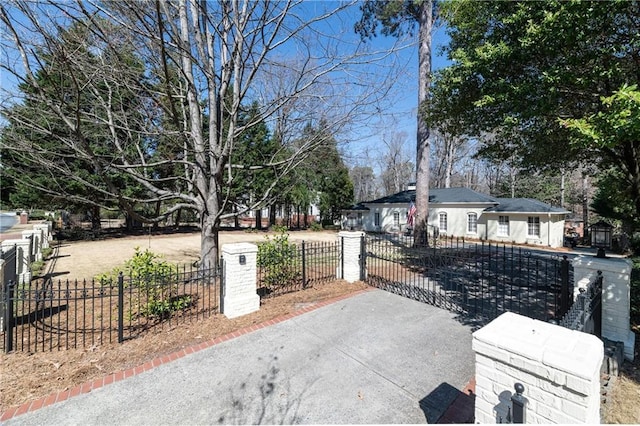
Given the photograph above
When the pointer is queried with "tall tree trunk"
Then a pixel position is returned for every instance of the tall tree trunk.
(585, 207)
(450, 151)
(259, 219)
(562, 179)
(209, 248)
(96, 225)
(422, 140)
(178, 218)
(272, 215)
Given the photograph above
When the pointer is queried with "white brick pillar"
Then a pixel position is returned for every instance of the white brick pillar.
(240, 295)
(616, 296)
(2, 294)
(559, 368)
(350, 255)
(45, 229)
(36, 241)
(23, 264)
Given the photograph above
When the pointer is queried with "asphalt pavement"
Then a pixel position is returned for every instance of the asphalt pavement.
(374, 358)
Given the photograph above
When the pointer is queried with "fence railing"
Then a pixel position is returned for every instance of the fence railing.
(309, 263)
(586, 312)
(10, 274)
(46, 315)
(476, 278)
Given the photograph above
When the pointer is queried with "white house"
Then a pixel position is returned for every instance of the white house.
(462, 212)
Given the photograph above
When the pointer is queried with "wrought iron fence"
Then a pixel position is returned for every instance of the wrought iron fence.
(309, 263)
(46, 315)
(10, 275)
(586, 313)
(477, 278)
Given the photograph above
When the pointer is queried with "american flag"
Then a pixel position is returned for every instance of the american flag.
(411, 214)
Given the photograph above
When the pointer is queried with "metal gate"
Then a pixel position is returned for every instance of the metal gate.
(586, 313)
(475, 279)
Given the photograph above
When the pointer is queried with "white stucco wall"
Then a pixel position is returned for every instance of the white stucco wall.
(386, 217)
(551, 229)
(551, 226)
(457, 219)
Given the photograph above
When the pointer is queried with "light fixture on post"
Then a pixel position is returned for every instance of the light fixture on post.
(601, 237)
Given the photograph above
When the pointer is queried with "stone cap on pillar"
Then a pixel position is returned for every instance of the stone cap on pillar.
(239, 248)
(351, 234)
(551, 345)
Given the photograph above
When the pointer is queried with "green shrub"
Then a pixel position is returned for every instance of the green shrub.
(37, 267)
(277, 258)
(157, 295)
(315, 226)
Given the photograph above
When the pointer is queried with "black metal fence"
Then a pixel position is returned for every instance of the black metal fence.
(586, 313)
(477, 279)
(45, 316)
(10, 275)
(305, 265)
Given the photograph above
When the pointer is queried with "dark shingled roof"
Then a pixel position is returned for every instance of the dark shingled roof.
(438, 196)
(524, 205)
(356, 207)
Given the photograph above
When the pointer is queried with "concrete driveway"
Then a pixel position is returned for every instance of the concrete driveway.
(372, 358)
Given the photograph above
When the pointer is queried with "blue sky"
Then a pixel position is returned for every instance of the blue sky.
(398, 117)
(403, 116)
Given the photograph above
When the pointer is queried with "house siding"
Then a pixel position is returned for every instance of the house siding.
(551, 229)
(457, 216)
(386, 217)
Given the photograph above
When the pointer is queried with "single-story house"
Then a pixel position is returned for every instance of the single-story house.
(462, 212)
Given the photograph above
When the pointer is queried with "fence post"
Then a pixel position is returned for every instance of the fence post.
(120, 307)
(342, 258)
(8, 319)
(565, 292)
(363, 258)
(616, 301)
(304, 266)
(518, 402)
(223, 274)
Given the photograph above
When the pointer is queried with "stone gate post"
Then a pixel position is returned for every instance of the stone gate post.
(240, 295)
(350, 266)
(616, 296)
(36, 243)
(559, 369)
(23, 254)
(45, 229)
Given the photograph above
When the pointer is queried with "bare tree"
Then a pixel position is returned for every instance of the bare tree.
(396, 165)
(446, 152)
(200, 63)
(364, 183)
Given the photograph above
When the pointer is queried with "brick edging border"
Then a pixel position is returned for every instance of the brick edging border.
(91, 385)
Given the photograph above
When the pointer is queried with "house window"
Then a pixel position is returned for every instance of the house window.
(376, 219)
(533, 226)
(360, 219)
(472, 223)
(443, 222)
(503, 226)
(396, 218)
